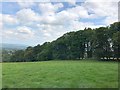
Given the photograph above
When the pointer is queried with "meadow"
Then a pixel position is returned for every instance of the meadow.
(0, 76)
(60, 74)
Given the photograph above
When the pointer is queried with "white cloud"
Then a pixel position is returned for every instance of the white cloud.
(72, 2)
(66, 16)
(48, 19)
(80, 11)
(20, 33)
(103, 9)
(49, 8)
(25, 31)
(27, 16)
(9, 19)
(49, 24)
(110, 20)
(102, 1)
(26, 4)
(58, 5)
(1, 23)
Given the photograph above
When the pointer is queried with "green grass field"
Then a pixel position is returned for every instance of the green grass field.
(60, 74)
(0, 76)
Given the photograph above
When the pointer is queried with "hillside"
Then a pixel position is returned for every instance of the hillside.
(100, 43)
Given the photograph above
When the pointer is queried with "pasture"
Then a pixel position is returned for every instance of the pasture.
(60, 74)
(0, 76)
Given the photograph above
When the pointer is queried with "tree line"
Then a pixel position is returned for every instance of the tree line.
(102, 43)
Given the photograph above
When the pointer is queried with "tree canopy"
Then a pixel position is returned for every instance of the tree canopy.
(100, 43)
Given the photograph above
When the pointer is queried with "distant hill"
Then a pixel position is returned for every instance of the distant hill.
(12, 46)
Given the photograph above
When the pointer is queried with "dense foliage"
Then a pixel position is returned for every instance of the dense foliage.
(100, 43)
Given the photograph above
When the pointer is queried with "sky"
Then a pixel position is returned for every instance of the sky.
(32, 23)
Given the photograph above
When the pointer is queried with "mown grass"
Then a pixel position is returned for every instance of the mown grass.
(0, 76)
(60, 74)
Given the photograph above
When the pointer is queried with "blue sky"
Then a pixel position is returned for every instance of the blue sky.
(33, 23)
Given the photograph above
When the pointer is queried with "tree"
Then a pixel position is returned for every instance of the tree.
(101, 43)
(6, 55)
(18, 56)
(89, 37)
(45, 53)
(29, 55)
(116, 44)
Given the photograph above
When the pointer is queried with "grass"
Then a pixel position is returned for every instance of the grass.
(60, 74)
(0, 76)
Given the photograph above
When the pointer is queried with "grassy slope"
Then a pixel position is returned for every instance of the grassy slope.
(60, 74)
(0, 76)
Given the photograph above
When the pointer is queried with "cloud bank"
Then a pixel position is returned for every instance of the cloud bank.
(36, 23)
